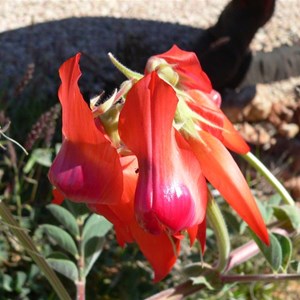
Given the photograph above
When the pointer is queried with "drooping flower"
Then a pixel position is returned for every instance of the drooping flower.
(208, 131)
(171, 190)
(80, 170)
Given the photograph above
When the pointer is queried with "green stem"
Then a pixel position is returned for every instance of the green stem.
(29, 246)
(216, 221)
(260, 167)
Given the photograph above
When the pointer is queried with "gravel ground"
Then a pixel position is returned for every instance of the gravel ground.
(284, 28)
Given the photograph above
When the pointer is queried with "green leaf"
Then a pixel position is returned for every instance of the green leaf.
(95, 226)
(94, 231)
(61, 237)
(295, 266)
(65, 218)
(274, 200)
(288, 213)
(64, 267)
(42, 156)
(20, 280)
(7, 283)
(77, 209)
(58, 255)
(286, 248)
(272, 253)
(201, 280)
(265, 211)
(92, 250)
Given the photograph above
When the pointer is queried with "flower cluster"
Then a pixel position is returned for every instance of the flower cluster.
(143, 162)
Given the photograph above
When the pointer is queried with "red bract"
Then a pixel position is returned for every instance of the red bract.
(87, 168)
(171, 191)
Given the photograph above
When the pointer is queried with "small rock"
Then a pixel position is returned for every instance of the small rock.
(293, 184)
(288, 130)
(259, 108)
(256, 135)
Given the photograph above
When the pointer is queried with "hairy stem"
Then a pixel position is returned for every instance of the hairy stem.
(261, 168)
(216, 221)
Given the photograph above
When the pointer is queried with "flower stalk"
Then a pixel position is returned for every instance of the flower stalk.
(261, 168)
(80, 284)
(216, 221)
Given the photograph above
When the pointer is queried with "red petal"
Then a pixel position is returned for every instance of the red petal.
(58, 198)
(230, 136)
(170, 186)
(201, 235)
(223, 173)
(87, 168)
(123, 233)
(192, 232)
(160, 250)
(78, 122)
(187, 65)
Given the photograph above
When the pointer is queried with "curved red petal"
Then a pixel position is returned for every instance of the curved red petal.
(122, 214)
(230, 137)
(77, 119)
(160, 250)
(87, 167)
(223, 173)
(122, 229)
(187, 65)
(89, 173)
(192, 232)
(169, 191)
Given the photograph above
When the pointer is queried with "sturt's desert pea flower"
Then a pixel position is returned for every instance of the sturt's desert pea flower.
(142, 159)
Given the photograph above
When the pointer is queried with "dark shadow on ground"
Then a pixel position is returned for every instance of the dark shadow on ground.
(49, 44)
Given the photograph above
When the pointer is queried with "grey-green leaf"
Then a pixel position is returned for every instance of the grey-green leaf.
(61, 237)
(272, 253)
(201, 280)
(20, 280)
(288, 212)
(286, 248)
(64, 267)
(92, 249)
(65, 218)
(295, 266)
(42, 156)
(95, 226)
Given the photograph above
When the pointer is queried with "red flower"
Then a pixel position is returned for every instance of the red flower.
(171, 190)
(208, 132)
(87, 167)
(175, 136)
